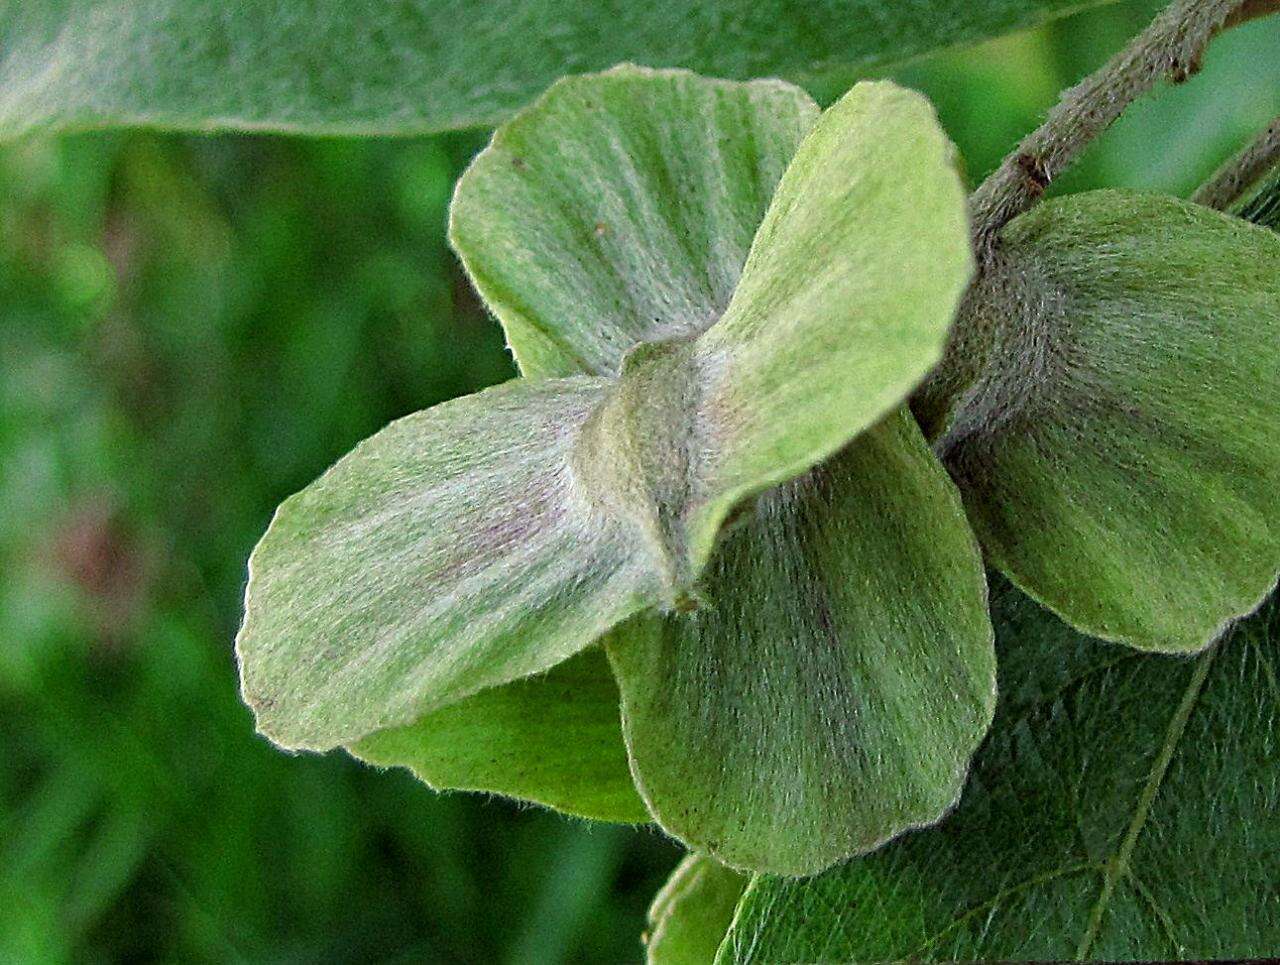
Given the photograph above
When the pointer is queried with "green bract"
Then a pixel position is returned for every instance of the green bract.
(719, 300)
(1105, 423)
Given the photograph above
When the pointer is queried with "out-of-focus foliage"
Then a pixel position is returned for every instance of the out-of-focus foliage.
(190, 330)
(421, 66)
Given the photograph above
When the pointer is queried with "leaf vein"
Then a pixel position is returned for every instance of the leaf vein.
(1118, 865)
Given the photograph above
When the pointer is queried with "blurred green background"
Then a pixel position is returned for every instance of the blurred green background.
(191, 328)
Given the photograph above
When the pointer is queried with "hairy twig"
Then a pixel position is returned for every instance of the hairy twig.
(1170, 48)
(1230, 182)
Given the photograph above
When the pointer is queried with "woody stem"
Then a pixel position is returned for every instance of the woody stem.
(1170, 48)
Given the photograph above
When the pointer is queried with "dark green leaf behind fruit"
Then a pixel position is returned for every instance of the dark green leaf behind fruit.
(1124, 806)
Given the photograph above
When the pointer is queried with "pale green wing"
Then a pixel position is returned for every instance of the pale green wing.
(830, 688)
(1119, 450)
(846, 298)
(619, 208)
(449, 553)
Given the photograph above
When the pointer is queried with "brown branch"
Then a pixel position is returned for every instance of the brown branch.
(1170, 48)
(1230, 182)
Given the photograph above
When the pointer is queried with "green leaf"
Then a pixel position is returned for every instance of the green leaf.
(690, 915)
(1122, 808)
(554, 739)
(829, 691)
(408, 66)
(619, 208)
(1116, 448)
(448, 553)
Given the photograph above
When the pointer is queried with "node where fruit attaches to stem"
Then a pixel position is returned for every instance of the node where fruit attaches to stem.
(1230, 182)
(1170, 48)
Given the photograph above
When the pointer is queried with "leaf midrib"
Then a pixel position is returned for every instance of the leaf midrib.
(1118, 865)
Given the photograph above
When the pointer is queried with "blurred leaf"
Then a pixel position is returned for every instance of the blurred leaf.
(334, 66)
(446, 554)
(829, 693)
(571, 892)
(554, 739)
(1122, 808)
(1109, 439)
(691, 914)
